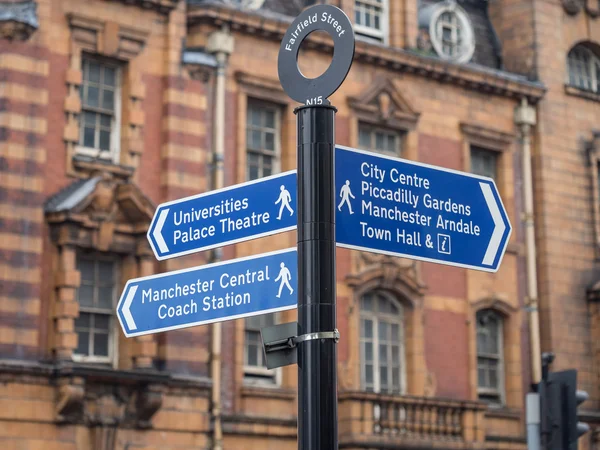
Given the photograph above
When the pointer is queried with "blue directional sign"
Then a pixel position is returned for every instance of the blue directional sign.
(212, 293)
(225, 216)
(403, 208)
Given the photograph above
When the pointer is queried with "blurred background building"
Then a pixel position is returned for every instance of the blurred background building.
(108, 108)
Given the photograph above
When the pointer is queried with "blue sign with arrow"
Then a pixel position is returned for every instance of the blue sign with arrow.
(413, 210)
(227, 290)
(225, 216)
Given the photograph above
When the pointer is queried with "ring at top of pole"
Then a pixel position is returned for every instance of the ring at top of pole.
(314, 91)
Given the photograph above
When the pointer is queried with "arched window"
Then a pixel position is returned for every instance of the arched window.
(490, 356)
(381, 344)
(584, 69)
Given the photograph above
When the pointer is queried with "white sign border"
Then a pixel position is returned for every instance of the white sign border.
(220, 244)
(190, 269)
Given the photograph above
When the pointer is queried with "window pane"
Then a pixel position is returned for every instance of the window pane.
(89, 118)
(369, 374)
(493, 376)
(101, 344)
(255, 116)
(366, 303)
(364, 138)
(254, 141)
(105, 297)
(383, 331)
(108, 99)
(82, 343)
(104, 140)
(368, 351)
(88, 137)
(101, 322)
(105, 272)
(109, 76)
(269, 118)
(383, 377)
(83, 321)
(86, 269)
(93, 96)
(93, 71)
(396, 379)
(85, 295)
(367, 328)
(270, 141)
(382, 354)
(481, 378)
(395, 355)
(379, 139)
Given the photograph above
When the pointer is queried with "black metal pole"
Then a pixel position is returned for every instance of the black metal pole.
(317, 358)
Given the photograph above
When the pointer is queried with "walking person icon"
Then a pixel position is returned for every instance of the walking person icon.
(285, 276)
(284, 198)
(346, 194)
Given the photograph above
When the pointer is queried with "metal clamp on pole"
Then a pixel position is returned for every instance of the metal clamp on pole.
(335, 335)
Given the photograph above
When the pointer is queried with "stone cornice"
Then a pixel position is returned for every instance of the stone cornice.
(161, 6)
(273, 27)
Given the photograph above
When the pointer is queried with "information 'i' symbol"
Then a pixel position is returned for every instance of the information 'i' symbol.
(284, 198)
(346, 194)
(285, 276)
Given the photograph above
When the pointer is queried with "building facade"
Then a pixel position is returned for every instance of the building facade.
(109, 108)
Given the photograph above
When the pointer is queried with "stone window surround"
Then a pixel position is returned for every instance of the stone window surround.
(501, 391)
(383, 106)
(594, 60)
(431, 16)
(594, 161)
(488, 139)
(387, 275)
(119, 43)
(269, 91)
(93, 227)
(375, 318)
(382, 34)
(510, 322)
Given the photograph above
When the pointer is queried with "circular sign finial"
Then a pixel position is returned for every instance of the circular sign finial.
(333, 21)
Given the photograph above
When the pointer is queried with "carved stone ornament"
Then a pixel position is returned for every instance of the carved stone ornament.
(374, 271)
(18, 20)
(107, 406)
(382, 103)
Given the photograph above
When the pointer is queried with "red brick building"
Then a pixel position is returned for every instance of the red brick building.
(108, 108)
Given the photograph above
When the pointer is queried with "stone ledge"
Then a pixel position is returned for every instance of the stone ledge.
(275, 392)
(577, 92)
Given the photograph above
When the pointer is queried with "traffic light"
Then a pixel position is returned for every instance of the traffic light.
(559, 401)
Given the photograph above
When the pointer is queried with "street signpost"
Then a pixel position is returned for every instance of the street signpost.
(413, 210)
(234, 214)
(338, 197)
(228, 290)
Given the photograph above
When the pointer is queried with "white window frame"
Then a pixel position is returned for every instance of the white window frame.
(500, 391)
(375, 318)
(113, 334)
(278, 121)
(115, 135)
(371, 32)
(262, 376)
(372, 129)
(575, 58)
(465, 52)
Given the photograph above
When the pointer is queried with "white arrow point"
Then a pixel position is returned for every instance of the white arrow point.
(499, 227)
(126, 309)
(160, 241)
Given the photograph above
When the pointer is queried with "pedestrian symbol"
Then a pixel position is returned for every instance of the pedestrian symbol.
(346, 193)
(284, 198)
(285, 276)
